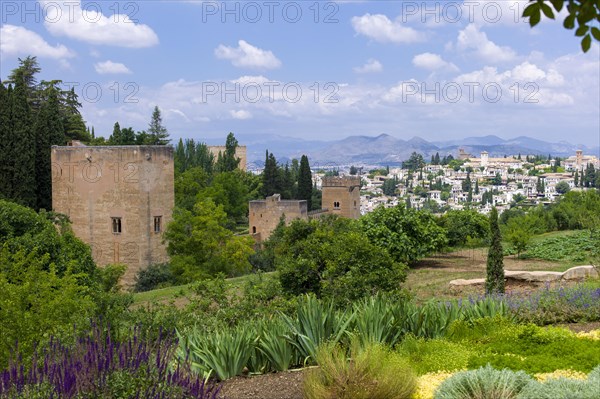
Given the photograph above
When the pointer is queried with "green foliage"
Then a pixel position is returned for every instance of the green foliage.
(200, 245)
(460, 225)
(155, 276)
(576, 247)
(228, 161)
(585, 12)
(188, 185)
(426, 356)
(305, 184)
(332, 258)
(229, 190)
(407, 234)
(315, 323)
(483, 383)
(414, 162)
(223, 353)
(369, 372)
(157, 133)
(190, 154)
(494, 282)
(525, 347)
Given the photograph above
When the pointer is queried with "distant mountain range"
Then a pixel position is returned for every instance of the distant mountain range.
(389, 150)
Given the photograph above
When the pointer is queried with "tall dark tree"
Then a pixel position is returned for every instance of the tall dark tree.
(26, 73)
(73, 122)
(158, 134)
(353, 170)
(305, 183)
(436, 160)
(576, 179)
(476, 186)
(22, 148)
(414, 162)
(270, 175)
(49, 131)
(115, 138)
(5, 144)
(229, 161)
(494, 281)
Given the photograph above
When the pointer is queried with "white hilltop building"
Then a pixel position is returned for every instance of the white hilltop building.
(580, 161)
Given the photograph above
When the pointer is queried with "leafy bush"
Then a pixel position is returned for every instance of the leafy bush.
(575, 247)
(98, 367)
(371, 372)
(333, 258)
(155, 276)
(483, 383)
(564, 388)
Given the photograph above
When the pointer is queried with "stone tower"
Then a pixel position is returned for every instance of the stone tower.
(579, 159)
(484, 159)
(341, 195)
(119, 199)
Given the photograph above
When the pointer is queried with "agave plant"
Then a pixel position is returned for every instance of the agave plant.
(280, 353)
(315, 323)
(376, 322)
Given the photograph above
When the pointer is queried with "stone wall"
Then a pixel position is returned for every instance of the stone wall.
(102, 187)
(264, 215)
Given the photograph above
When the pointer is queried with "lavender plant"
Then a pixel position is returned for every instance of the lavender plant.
(99, 367)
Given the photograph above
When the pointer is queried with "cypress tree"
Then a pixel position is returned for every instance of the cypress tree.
(115, 137)
(229, 162)
(5, 144)
(576, 179)
(49, 131)
(494, 282)
(305, 185)
(179, 157)
(22, 148)
(270, 175)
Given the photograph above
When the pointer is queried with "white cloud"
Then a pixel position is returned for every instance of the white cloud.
(91, 26)
(381, 29)
(253, 80)
(248, 56)
(432, 62)
(371, 66)
(18, 40)
(241, 114)
(109, 67)
(471, 38)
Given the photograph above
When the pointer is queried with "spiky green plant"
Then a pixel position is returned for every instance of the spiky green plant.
(315, 323)
(280, 353)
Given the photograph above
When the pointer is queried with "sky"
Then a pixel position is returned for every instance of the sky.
(316, 70)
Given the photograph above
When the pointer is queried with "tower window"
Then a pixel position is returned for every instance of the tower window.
(157, 224)
(253, 229)
(116, 226)
(336, 205)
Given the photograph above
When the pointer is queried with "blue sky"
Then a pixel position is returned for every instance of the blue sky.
(314, 70)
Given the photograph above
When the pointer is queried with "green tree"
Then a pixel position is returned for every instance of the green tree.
(157, 132)
(305, 183)
(584, 12)
(200, 245)
(389, 186)
(270, 176)
(497, 180)
(49, 131)
(228, 190)
(115, 138)
(188, 185)
(518, 236)
(407, 234)
(562, 187)
(229, 161)
(333, 259)
(6, 165)
(26, 73)
(460, 225)
(22, 148)
(353, 170)
(494, 282)
(414, 162)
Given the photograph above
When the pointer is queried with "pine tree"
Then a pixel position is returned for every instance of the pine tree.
(25, 73)
(305, 184)
(157, 132)
(179, 157)
(5, 144)
(436, 160)
(49, 131)
(494, 282)
(22, 148)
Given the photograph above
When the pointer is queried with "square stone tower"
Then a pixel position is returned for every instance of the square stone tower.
(119, 199)
(264, 215)
(341, 195)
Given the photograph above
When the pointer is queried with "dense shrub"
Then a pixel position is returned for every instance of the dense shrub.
(460, 225)
(483, 383)
(561, 388)
(370, 372)
(332, 258)
(157, 275)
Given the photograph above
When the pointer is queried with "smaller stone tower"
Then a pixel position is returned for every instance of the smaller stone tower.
(484, 159)
(341, 195)
(579, 159)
